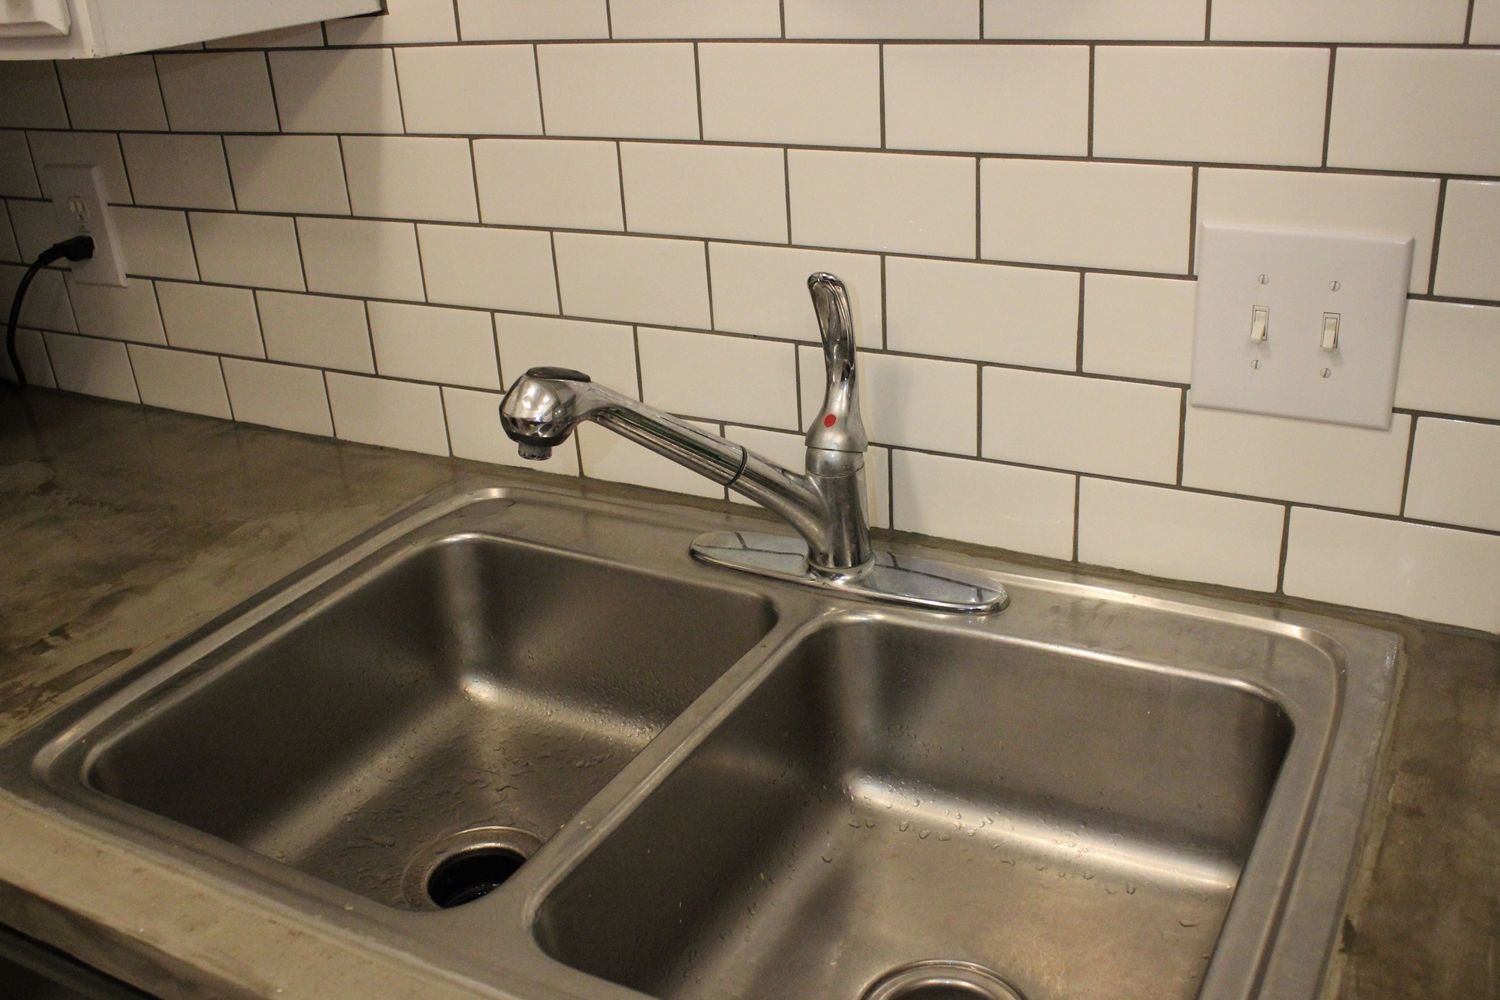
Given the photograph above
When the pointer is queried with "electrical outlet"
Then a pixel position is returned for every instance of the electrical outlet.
(78, 195)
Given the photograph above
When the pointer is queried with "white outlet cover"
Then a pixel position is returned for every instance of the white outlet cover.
(1298, 276)
(83, 184)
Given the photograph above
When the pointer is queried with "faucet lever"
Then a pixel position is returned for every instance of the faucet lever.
(838, 426)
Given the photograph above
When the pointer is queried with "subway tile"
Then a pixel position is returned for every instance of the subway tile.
(179, 380)
(31, 351)
(1143, 20)
(985, 312)
(1138, 327)
(9, 252)
(155, 242)
(1450, 359)
(562, 183)
(384, 412)
(1024, 510)
(1091, 425)
(882, 19)
(1437, 574)
(17, 176)
(92, 367)
(764, 92)
(1471, 231)
(905, 402)
(883, 201)
(217, 91)
(99, 148)
(127, 313)
(337, 90)
(186, 171)
(1455, 474)
(628, 90)
(1113, 215)
(292, 399)
(34, 100)
(469, 89)
(1485, 28)
(1411, 21)
(1287, 459)
(1181, 535)
(607, 455)
(1396, 206)
(474, 432)
(210, 318)
(489, 268)
(633, 278)
(37, 225)
(605, 351)
(287, 173)
(46, 306)
(1394, 109)
(763, 290)
(298, 37)
(695, 18)
(407, 178)
(990, 98)
(239, 249)
(403, 22)
(1229, 105)
(434, 344)
(361, 257)
(790, 451)
(117, 93)
(533, 19)
(733, 192)
(315, 330)
(725, 378)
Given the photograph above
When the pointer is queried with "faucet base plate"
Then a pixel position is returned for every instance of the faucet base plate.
(888, 578)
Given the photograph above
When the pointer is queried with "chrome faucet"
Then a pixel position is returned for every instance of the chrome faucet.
(825, 504)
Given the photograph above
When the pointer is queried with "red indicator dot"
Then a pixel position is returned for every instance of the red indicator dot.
(830, 420)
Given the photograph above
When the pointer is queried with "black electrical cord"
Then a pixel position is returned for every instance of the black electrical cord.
(75, 249)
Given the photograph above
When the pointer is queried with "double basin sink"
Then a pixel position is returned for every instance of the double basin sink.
(522, 736)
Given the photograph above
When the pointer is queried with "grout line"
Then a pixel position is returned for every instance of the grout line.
(458, 22)
(400, 105)
(640, 378)
(495, 343)
(474, 178)
(1286, 544)
(1077, 512)
(1411, 454)
(609, 19)
(620, 176)
(1192, 261)
(161, 94)
(786, 181)
(1333, 62)
(1078, 347)
(1469, 23)
(1437, 235)
(885, 308)
(979, 410)
(271, 85)
(556, 274)
(1090, 145)
(708, 281)
(698, 89)
(1181, 434)
(997, 42)
(536, 66)
(981, 19)
(880, 63)
(224, 384)
(447, 425)
(781, 11)
(333, 427)
(890, 487)
(62, 94)
(1208, 19)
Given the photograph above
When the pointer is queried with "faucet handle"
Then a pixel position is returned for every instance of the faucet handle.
(838, 426)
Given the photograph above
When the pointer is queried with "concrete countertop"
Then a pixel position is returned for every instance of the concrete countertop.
(124, 528)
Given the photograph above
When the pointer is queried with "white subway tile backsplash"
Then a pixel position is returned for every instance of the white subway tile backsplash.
(1234, 105)
(1138, 327)
(315, 330)
(474, 433)
(1123, 216)
(31, 350)
(1330, 465)
(1392, 206)
(882, 19)
(287, 173)
(258, 250)
(568, 183)
(633, 278)
(293, 399)
(987, 312)
(17, 177)
(1025, 510)
(695, 18)
(8, 250)
(361, 257)
(731, 192)
(388, 413)
(210, 318)
(1485, 28)
(533, 19)
(1455, 473)
(117, 93)
(1450, 359)
(434, 344)
(607, 455)
(1395, 109)
(760, 92)
(763, 290)
(883, 201)
(1078, 19)
(489, 268)
(1471, 231)
(179, 380)
(410, 178)
(1174, 533)
(36, 226)
(127, 313)
(789, 449)
(156, 243)
(1084, 424)
(34, 100)
(217, 91)
(1339, 20)
(404, 21)
(645, 90)
(92, 367)
(990, 98)
(102, 149)
(186, 171)
(605, 351)
(47, 306)
(470, 89)
(1439, 574)
(337, 90)
(905, 402)
(737, 378)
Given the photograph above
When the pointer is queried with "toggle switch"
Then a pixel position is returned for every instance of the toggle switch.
(1330, 331)
(1260, 318)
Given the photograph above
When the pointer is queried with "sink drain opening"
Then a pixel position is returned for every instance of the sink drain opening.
(471, 874)
(941, 980)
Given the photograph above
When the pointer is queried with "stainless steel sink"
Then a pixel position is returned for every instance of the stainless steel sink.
(628, 774)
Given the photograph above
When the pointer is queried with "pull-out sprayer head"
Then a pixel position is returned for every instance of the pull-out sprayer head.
(540, 410)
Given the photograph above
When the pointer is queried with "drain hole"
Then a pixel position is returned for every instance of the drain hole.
(941, 980)
(470, 874)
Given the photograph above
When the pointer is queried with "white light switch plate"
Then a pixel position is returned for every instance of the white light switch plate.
(1298, 278)
(78, 196)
